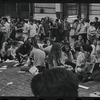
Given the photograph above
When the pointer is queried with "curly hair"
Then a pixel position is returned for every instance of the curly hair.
(56, 82)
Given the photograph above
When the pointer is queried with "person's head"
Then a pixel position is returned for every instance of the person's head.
(61, 21)
(66, 47)
(42, 20)
(49, 41)
(47, 18)
(34, 21)
(4, 20)
(87, 50)
(56, 82)
(29, 40)
(31, 21)
(82, 20)
(79, 37)
(18, 19)
(65, 20)
(57, 20)
(77, 49)
(38, 22)
(96, 19)
(91, 24)
(34, 42)
(76, 21)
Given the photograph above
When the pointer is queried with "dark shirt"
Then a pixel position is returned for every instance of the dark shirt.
(46, 26)
(24, 49)
(97, 25)
(19, 25)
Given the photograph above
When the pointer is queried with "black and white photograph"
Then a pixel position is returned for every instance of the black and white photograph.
(49, 49)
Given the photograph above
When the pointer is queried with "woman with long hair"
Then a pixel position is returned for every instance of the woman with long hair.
(67, 56)
(54, 58)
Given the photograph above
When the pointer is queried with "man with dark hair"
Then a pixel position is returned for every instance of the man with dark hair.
(56, 82)
(23, 51)
(32, 28)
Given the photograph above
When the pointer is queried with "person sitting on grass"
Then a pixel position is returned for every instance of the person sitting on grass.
(4, 51)
(23, 51)
(36, 58)
(56, 82)
(54, 58)
(85, 63)
(67, 57)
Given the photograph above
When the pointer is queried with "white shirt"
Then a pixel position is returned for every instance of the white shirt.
(91, 30)
(93, 49)
(25, 28)
(38, 57)
(33, 30)
(80, 59)
(6, 28)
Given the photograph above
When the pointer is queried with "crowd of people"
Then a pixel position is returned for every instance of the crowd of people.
(46, 44)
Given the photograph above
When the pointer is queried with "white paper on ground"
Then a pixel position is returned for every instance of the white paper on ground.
(3, 68)
(9, 60)
(33, 70)
(84, 87)
(21, 71)
(10, 83)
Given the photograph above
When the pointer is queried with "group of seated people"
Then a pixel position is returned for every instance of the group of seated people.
(49, 55)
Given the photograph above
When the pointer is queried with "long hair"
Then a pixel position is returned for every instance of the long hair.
(34, 42)
(63, 48)
(55, 53)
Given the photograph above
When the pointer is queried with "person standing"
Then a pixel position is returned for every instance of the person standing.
(46, 26)
(25, 30)
(32, 29)
(83, 29)
(5, 28)
(19, 29)
(96, 23)
(41, 31)
(66, 28)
